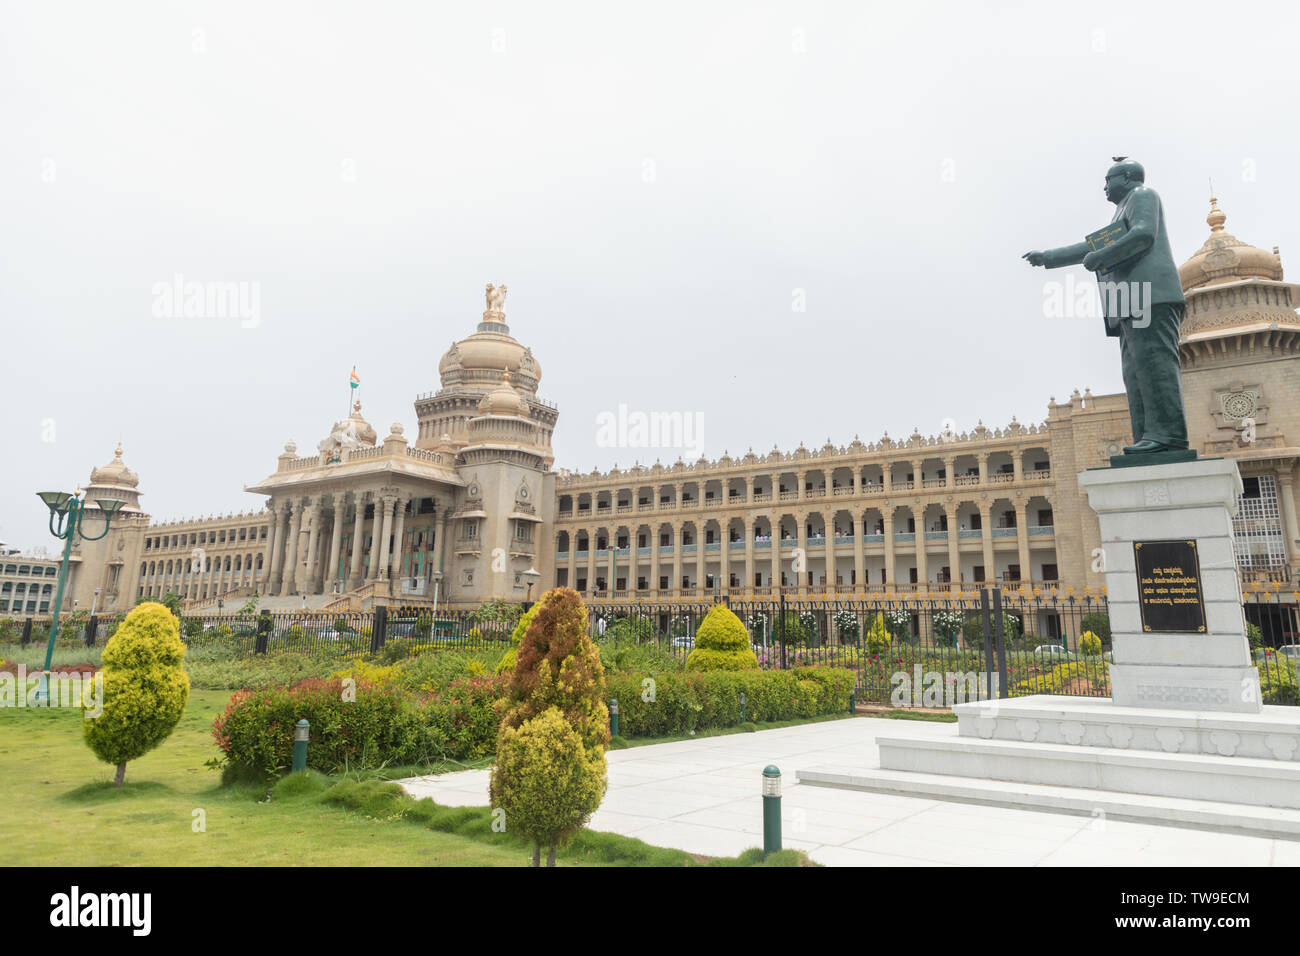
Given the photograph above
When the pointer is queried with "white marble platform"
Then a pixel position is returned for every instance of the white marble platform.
(702, 796)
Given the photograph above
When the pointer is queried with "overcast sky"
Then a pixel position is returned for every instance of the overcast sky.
(660, 186)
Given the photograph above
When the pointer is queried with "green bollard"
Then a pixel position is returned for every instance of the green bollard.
(742, 706)
(301, 734)
(613, 717)
(853, 702)
(771, 810)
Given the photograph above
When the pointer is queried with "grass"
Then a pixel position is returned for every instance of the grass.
(62, 809)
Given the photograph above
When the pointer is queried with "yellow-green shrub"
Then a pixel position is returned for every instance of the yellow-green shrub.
(721, 643)
(550, 772)
(145, 687)
(516, 637)
(545, 780)
(878, 640)
(1089, 643)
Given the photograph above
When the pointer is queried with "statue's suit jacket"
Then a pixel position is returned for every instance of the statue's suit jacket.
(1141, 255)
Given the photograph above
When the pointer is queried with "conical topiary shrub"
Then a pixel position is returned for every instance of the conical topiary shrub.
(145, 687)
(555, 730)
(721, 643)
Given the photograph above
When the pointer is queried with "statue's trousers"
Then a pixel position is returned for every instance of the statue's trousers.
(1153, 376)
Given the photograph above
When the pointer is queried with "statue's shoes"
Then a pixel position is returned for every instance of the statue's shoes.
(1146, 446)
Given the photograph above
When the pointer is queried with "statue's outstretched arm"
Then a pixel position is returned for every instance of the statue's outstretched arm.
(1065, 255)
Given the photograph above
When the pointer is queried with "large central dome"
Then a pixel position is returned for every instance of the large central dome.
(477, 361)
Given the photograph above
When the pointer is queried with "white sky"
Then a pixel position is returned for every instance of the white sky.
(373, 164)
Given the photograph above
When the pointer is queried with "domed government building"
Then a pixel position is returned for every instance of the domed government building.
(470, 503)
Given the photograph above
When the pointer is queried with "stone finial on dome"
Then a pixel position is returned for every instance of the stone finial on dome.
(291, 447)
(1216, 218)
(396, 429)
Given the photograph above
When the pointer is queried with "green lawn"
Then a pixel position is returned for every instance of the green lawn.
(60, 807)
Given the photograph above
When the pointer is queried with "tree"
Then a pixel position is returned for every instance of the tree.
(170, 600)
(721, 643)
(546, 781)
(1099, 623)
(516, 638)
(878, 639)
(549, 775)
(145, 687)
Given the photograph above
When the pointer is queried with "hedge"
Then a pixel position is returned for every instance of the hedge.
(678, 703)
(380, 727)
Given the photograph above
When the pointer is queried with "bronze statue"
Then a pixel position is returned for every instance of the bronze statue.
(1142, 302)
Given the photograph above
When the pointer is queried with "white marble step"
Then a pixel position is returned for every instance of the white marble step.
(1272, 734)
(1243, 780)
(1101, 805)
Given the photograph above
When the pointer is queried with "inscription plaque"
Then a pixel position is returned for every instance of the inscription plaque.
(1169, 586)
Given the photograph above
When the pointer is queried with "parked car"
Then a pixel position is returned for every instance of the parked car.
(1051, 650)
(684, 641)
(1290, 650)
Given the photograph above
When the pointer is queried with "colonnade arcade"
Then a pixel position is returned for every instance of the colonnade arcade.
(952, 541)
(342, 540)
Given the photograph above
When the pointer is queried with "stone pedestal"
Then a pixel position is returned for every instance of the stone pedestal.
(1185, 737)
(1192, 501)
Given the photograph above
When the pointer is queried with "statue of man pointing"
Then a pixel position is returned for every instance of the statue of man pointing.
(1142, 301)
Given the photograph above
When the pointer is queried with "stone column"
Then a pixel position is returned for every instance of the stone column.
(358, 540)
(442, 537)
(676, 581)
(954, 544)
(1286, 498)
(338, 515)
(399, 543)
(922, 559)
(949, 465)
(1022, 538)
(314, 513)
(613, 560)
(801, 543)
(724, 566)
(857, 480)
(984, 467)
(774, 556)
(591, 560)
(275, 569)
(379, 554)
(859, 551)
(986, 533)
(653, 538)
(749, 551)
(802, 478)
(887, 480)
(291, 552)
(888, 516)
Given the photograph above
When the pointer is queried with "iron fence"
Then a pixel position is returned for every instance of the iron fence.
(905, 650)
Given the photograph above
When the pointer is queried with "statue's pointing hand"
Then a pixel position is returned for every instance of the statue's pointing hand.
(1092, 261)
(1035, 258)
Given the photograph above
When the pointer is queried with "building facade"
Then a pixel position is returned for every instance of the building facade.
(473, 507)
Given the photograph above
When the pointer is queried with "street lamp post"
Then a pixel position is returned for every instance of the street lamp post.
(69, 509)
(532, 574)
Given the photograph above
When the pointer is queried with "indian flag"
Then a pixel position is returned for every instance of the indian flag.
(353, 380)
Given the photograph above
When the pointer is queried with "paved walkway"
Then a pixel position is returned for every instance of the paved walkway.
(703, 796)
